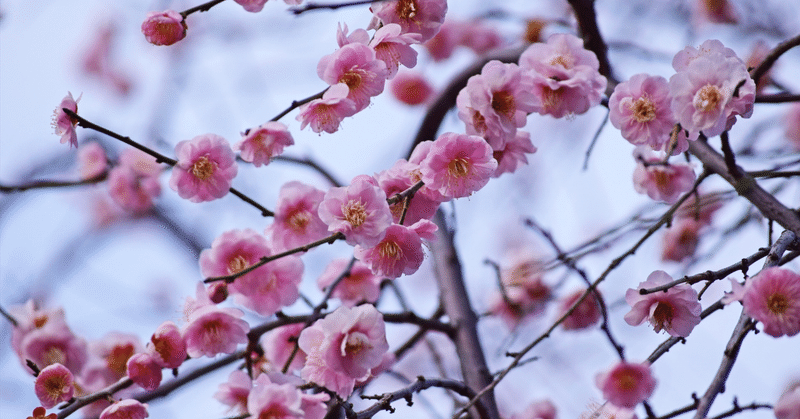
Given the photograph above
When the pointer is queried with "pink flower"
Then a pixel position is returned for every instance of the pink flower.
(479, 37)
(788, 405)
(40, 413)
(400, 251)
(399, 178)
(703, 89)
(662, 182)
(513, 153)
(715, 11)
(526, 293)
(133, 183)
(97, 59)
(585, 315)
(356, 66)
(51, 346)
(343, 347)
(92, 160)
(325, 114)
(640, 108)
(773, 298)
(565, 75)
(360, 285)
(125, 409)
(627, 384)
(53, 385)
(144, 371)
(442, 45)
(458, 165)
(677, 310)
(496, 102)
(167, 346)
(232, 252)
(415, 16)
(411, 88)
(792, 125)
(252, 6)
(736, 293)
(279, 344)
(234, 392)
(271, 400)
(296, 222)
(164, 28)
(542, 409)
(358, 211)
(394, 48)
(259, 145)
(211, 329)
(206, 166)
(109, 358)
(680, 240)
(63, 124)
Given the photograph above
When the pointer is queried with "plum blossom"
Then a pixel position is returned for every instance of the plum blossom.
(97, 59)
(586, 314)
(144, 371)
(92, 160)
(496, 102)
(133, 183)
(296, 221)
(566, 76)
(662, 181)
(276, 396)
(773, 298)
(125, 409)
(458, 165)
(703, 89)
(259, 145)
(359, 285)
(526, 293)
(640, 108)
(41, 413)
(252, 6)
(54, 384)
(680, 241)
(714, 11)
(411, 88)
(626, 384)
(167, 346)
(356, 66)
(109, 358)
(344, 347)
(206, 166)
(442, 45)
(400, 251)
(233, 393)
(513, 153)
(327, 113)
(401, 176)
(164, 28)
(423, 17)
(677, 310)
(279, 345)
(394, 48)
(359, 211)
(211, 329)
(788, 405)
(63, 124)
(479, 37)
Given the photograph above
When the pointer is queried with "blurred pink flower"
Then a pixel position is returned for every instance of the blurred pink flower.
(63, 124)
(442, 45)
(327, 113)
(586, 314)
(640, 108)
(359, 286)
(164, 28)
(54, 384)
(792, 125)
(259, 145)
(211, 329)
(414, 16)
(167, 345)
(233, 393)
(400, 252)
(526, 293)
(359, 211)
(458, 165)
(252, 6)
(626, 384)
(92, 160)
(133, 183)
(411, 88)
(773, 298)
(680, 240)
(296, 221)
(662, 182)
(788, 405)
(343, 347)
(125, 409)
(479, 37)
(144, 371)
(677, 310)
(206, 166)
(109, 358)
(542, 409)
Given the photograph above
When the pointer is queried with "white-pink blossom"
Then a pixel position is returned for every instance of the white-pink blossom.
(359, 211)
(164, 28)
(773, 298)
(394, 48)
(640, 109)
(513, 153)
(211, 329)
(356, 66)
(400, 252)
(296, 221)
(415, 16)
(676, 310)
(259, 145)
(358, 286)
(63, 124)
(662, 181)
(327, 113)
(205, 169)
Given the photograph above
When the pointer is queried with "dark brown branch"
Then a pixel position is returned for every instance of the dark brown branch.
(422, 383)
(778, 98)
(167, 388)
(772, 57)
(43, 184)
(592, 39)
(80, 402)
(201, 8)
(330, 6)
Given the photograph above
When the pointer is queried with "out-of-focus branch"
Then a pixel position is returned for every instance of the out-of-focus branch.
(330, 6)
(746, 186)
(312, 164)
(457, 306)
(773, 56)
(43, 184)
(8, 317)
(778, 98)
(167, 388)
(743, 327)
(422, 383)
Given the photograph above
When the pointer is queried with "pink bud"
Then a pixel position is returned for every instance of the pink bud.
(53, 385)
(217, 292)
(144, 371)
(164, 28)
(411, 88)
(168, 348)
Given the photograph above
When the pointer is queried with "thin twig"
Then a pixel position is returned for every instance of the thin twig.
(43, 184)
(201, 8)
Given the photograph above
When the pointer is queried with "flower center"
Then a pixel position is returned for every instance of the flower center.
(503, 103)
(54, 386)
(662, 178)
(563, 61)
(354, 343)
(644, 110)
(299, 220)
(479, 122)
(391, 250)
(626, 381)
(352, 79)
(777, 303)
(40, 321)
(662, 316)
(203, 168)
(53, 355)
(237, 264)
(707, 98)
(458, 167)
(406, 9)
(551, 99)
(354, 213)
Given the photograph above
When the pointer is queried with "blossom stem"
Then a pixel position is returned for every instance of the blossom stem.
(297, 104)
(201, 8)
(9, 317)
